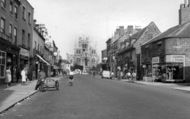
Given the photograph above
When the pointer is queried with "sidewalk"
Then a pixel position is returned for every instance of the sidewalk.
(14, 94)
(17, 93)
(177, 86)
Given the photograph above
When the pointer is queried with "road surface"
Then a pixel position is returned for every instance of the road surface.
(94, 98)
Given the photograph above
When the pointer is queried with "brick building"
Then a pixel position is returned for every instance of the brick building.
(128, 59)
(16, 23)
(166, 57)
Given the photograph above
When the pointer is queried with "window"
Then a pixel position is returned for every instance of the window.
(16, 11)
(23, 37)
(11, 7)
(24, 13)
(2, 28)
(15, 35)
(84, 46)
(10, 30)
(78, 52)
(29, 18)
(2, 64)
(3, 3)
(29, 40)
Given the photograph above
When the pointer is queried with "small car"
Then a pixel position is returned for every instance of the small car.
(49, 83)
(106, 74)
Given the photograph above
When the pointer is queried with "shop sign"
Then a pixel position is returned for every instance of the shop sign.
(24, 52)
(155, 60)
(175, 58)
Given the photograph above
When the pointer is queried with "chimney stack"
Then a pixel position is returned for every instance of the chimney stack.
(185, 2)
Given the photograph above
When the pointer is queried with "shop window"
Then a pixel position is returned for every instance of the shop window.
(2, 64)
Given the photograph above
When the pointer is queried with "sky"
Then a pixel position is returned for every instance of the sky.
(67, 20)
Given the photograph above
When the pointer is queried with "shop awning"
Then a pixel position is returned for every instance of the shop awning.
(42, 59)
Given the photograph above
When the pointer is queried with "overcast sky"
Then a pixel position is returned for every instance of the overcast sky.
(66, 20)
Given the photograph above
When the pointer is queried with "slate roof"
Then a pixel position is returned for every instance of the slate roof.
(179, 31)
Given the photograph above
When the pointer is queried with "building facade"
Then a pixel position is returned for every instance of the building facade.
(15, 16)
(129, 58)
(169, 56)
(85, 54)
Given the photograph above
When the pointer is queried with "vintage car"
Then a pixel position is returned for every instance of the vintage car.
(49, 83)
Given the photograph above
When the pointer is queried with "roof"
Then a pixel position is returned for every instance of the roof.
(179, 31)
(138, 34)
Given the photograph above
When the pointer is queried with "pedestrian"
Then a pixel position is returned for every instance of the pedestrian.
(23, 75)
(8, 76)
(41, 77)
(71, 78)
(129, 75)
(134, 75)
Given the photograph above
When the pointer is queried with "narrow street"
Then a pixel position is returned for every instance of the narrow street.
(94, 98)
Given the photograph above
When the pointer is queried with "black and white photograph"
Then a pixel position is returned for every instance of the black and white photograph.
(94, 59)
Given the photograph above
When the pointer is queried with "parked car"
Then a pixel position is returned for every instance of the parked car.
(106, 74)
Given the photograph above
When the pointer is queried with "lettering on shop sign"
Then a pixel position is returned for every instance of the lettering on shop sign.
(24, 52)
(175, 58)
(155, 60)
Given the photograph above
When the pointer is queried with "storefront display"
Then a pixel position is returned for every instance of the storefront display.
(2, 64)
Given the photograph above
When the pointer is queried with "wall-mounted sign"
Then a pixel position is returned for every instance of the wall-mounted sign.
(155, 60)
(24, 52)
(175, 58)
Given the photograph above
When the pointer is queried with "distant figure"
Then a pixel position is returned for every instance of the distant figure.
(129, 75)
(8, 76)
(71, 78)
(134, 75)
(23, 75)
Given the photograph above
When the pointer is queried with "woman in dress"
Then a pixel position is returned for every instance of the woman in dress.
(8, 76)
(23, 75)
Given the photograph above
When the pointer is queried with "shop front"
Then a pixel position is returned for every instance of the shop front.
(175, 68)
(24, 57)
(171, 70)
(8, 57)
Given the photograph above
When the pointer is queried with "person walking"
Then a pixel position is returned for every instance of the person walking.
(134, 75)
(23, 75)
(8, 76)
(71, 78)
